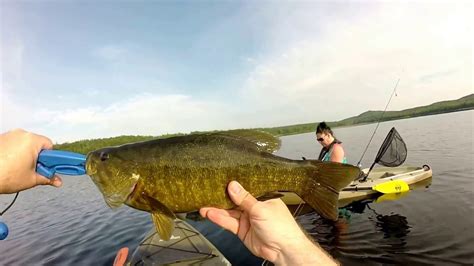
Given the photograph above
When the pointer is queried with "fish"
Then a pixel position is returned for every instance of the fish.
(185, 173)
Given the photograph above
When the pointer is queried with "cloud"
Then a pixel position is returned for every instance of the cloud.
(145, 114)
(352, 64)
(327, 66)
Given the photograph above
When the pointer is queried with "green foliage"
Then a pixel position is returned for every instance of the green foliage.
(464, 103)
(88, 145)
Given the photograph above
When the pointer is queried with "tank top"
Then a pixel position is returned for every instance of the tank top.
(325, 154)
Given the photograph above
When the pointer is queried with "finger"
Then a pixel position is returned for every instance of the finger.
(203, 211)
(41, 180)
(231, 213)
(55, 181)
(223, 220)
(240, 196)
(244, 226)
(42, 142)
(47, 144)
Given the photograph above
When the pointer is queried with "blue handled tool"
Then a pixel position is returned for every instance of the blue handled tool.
(51, 162)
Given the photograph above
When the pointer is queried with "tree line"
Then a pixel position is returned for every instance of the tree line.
(464, 103)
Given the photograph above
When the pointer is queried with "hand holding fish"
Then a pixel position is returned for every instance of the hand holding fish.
(267, 229)
(18, 155)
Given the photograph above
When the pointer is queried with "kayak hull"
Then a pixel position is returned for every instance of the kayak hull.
(187, 246)
(358, 189)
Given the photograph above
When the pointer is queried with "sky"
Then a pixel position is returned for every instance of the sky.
(75, 70)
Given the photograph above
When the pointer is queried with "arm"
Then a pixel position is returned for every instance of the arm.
(267, 229)
(18, 154)
(337, 154)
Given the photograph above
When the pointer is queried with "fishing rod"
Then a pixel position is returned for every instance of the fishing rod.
(378, 123)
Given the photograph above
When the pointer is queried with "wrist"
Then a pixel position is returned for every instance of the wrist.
(304, 252)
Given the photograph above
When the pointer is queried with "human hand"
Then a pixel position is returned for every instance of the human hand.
(19, 151)
(267, 229)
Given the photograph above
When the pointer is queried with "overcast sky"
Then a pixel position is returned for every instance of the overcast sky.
(86, 69)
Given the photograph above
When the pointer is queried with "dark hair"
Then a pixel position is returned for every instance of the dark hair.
(323, 128)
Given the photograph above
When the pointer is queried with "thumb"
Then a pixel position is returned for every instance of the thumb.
(55, 181)
(240, 196)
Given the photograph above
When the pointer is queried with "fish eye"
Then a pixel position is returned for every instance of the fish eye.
(103, 156)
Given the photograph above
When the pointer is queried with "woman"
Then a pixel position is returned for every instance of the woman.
(332, 148)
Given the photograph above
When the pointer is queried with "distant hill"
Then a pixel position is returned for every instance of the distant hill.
(461, 104)
(87, 145)
(464, 103)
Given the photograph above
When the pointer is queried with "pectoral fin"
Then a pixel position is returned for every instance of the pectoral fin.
(162, 217)
(164, 225)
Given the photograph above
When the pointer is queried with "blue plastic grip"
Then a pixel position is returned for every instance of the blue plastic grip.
(3, 231)
(61, 162)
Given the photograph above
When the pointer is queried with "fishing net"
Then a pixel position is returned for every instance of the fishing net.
(393, 151)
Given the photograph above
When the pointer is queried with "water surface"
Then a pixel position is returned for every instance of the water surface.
(73, 225)
(427, 226)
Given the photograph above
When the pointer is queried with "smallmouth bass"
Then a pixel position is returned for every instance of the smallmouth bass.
(182, 174)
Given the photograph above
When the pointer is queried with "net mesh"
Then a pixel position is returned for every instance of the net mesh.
(393, 151)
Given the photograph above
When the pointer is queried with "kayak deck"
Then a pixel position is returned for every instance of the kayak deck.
(186, 247)
(408, 174)
(358, 189)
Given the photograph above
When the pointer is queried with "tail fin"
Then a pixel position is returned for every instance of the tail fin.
(326, 179)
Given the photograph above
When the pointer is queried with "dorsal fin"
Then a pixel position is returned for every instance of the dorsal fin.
(263, 140)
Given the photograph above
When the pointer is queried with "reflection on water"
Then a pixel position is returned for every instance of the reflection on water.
(382, 234)
(393, 226)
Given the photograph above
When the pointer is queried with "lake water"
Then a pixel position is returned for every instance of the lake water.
(432, 226)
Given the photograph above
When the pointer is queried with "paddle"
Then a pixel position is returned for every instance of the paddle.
(391, 197)
(394, 186)
(121, 257)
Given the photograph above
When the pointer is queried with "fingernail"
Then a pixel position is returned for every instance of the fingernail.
(57, 182)
(236, 188)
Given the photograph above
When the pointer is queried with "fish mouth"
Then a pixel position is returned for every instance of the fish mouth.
(91, 166)
(90, 172)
